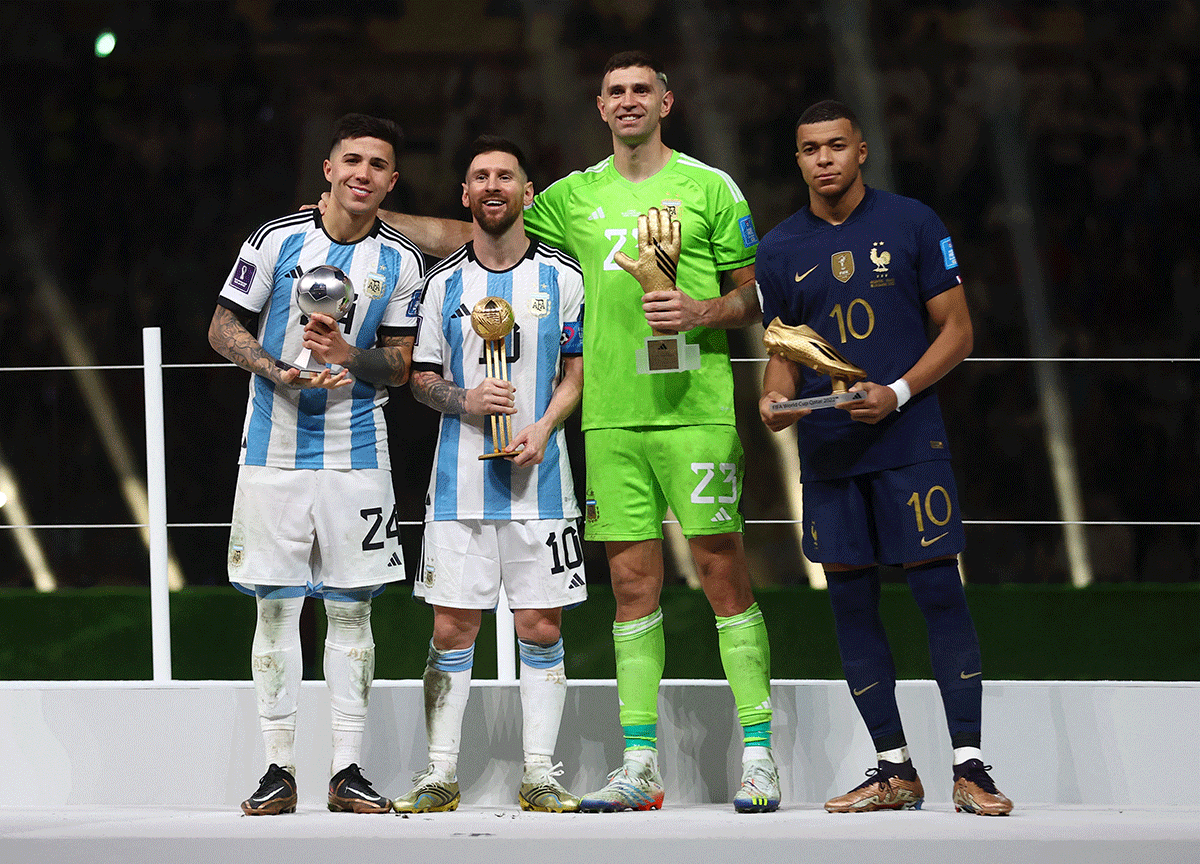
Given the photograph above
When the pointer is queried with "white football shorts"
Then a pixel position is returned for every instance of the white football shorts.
(323, 528)
(539, 560)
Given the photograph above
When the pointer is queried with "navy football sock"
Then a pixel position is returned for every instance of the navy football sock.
(953, 646)
(866, 656)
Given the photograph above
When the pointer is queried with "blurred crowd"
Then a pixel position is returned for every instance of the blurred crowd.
(141, 173)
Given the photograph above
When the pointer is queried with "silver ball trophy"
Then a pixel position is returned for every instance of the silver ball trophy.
(325, 289)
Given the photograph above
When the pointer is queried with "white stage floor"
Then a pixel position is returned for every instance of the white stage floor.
(687, 833)
(84, 762)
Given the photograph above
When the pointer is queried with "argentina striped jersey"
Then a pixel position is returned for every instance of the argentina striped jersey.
(288, 427)
(545, 290)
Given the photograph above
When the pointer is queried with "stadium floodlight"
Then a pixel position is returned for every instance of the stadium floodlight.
(106, 41)
(12, 511)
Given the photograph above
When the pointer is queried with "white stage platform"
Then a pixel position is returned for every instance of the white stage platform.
(693, 833)
(110, 771)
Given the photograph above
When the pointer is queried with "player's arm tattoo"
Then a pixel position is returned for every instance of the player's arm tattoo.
(438, 393)
(228, 336)
(738, 306)
(385, 366)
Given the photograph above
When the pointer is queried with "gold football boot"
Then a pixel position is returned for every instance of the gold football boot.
(883, 789)
(541, 792)
(434, 791)
(807, 347)
(975, 792)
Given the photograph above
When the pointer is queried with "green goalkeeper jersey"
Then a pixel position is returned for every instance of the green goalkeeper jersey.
(591, 215)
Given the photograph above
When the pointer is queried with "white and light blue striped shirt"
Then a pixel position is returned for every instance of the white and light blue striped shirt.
(545, 290)
(343, 428)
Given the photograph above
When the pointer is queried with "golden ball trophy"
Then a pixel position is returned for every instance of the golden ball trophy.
(492, 319)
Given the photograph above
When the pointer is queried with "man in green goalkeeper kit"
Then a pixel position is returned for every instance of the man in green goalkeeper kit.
(658, 415)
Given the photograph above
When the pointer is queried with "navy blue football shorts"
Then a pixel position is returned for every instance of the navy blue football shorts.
(897, 516)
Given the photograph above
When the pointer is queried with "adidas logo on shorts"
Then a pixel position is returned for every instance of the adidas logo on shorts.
(576, 581)
(722, 516)
(395, 561)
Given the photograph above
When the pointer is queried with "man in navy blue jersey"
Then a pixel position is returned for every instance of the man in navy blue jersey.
(869, 271)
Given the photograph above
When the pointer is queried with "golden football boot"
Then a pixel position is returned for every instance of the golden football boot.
(542, 793)
(883, 789)
(976, 792)
(807, 347)
(434, 791)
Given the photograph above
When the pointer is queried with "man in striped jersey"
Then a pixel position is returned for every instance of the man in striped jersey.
(314, 458)
(508, 520)
(658, 440)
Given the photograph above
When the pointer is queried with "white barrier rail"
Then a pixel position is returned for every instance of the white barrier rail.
(152, 369)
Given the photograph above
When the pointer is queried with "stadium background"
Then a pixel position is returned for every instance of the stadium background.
(136, 175)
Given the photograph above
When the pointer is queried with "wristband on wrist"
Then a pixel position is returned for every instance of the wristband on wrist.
(902, 391)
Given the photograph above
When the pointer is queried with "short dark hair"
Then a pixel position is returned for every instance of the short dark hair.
(826, 110)
(495, 144)
(366, 126)
(626, 59)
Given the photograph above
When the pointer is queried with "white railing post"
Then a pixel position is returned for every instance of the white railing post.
(506, 646)
(156, 493)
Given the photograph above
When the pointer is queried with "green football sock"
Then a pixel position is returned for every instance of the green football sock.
(641, 654)
(746, 656)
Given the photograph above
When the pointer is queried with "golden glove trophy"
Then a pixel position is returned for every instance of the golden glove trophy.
(492, 319)
(656, 268)
(807, 347)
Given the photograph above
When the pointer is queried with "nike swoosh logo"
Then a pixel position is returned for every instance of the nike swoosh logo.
(362, 793)
(275, 794)
(965, 676)
(869, 686)
(925, 542)
(800, 278)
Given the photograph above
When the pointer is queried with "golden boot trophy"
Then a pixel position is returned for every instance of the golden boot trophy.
(809, 348)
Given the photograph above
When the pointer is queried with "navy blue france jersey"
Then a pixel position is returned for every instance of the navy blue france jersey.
(862, 285)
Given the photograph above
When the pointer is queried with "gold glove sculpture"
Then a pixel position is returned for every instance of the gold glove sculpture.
(658, 254)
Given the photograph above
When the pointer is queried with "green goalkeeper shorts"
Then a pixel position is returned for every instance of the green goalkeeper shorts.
(634, 475)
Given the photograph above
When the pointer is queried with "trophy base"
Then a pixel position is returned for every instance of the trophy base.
(816, 402)
(671, 353)
(305, 374)
(502, 454)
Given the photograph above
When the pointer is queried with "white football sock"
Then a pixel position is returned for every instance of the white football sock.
(543, 694)
(899, 755)
(349, 672)
(277, 667)
(447, 685)
(962, 754)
